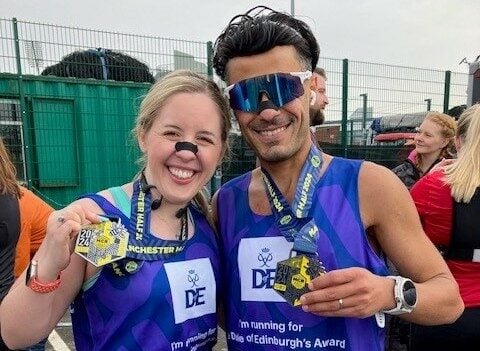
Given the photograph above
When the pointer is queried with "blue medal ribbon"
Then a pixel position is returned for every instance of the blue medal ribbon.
(142, 245)
(293, 221)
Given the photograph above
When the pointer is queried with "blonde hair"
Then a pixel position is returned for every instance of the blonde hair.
(463, 175)
(8, 173)
(176, 82)
(448, 131)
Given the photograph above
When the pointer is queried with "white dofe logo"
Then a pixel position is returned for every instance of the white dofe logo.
(193, 288)
(257, 260)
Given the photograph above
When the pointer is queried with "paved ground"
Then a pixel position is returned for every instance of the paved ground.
(61, 338)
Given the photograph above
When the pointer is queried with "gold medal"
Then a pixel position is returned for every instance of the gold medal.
(102, 243)
(293, 275)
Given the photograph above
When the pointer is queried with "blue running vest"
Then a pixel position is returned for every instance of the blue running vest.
(257, 317)
(165, 305)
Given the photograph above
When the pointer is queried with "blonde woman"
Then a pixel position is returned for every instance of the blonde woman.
(163, 294)
(433, 142)
(448, 201)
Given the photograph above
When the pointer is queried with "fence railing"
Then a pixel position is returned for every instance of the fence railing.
(34, 47)
(111, 71)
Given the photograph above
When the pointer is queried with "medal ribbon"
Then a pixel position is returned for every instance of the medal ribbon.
(294, 224)
(142, 245)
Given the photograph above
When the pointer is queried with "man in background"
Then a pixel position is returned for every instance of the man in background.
(318, 87)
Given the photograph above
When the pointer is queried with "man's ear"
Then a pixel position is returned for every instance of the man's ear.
(313, 97)
(313, 83)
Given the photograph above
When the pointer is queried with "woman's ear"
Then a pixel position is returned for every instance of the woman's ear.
(141, 141)
(222, 155)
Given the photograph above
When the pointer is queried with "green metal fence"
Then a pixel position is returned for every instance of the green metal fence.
(33, 47)
(359, 92)
(69, 97)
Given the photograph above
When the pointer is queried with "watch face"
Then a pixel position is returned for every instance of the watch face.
(27, 275)
(409, 293)
(31, 272)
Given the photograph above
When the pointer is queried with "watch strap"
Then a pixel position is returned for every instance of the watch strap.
(32, 282)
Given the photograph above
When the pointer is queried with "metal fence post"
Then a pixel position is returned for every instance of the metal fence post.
(446, 93)
(429, 104)
(27, 143)
(216, 180)
(344, 105)
(364, 119)
(351, 132)
(210, 59)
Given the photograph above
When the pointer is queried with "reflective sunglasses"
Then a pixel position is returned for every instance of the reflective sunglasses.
(281, 88)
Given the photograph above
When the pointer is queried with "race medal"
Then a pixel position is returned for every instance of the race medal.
(102, 243)
(293, 275)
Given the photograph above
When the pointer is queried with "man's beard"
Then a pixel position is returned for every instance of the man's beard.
(317, 116)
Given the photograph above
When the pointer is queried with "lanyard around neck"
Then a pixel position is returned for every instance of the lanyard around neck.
(292, 220)
(143, 245)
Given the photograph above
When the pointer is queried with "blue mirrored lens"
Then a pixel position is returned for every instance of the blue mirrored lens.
(281, 88)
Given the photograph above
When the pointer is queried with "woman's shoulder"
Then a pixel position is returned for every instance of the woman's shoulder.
(110, 193)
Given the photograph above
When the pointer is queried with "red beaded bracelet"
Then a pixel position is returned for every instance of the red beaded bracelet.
(43, 288)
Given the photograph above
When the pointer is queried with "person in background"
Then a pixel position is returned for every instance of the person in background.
(10, 192)
(319, 91)
(34, 213)
(433, 142)
(434, 146)
(448, 202)
(23, 222)
(342, 217)
(163, 294)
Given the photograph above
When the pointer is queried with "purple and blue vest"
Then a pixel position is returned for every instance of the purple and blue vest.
(257, 317)
(165, 304)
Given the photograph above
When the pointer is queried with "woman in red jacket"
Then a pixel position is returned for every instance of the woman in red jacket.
(448, 202)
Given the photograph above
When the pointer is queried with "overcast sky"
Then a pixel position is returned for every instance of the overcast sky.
(435, 34)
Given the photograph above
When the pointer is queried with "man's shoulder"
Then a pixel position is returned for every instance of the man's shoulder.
(375, 178)
(340, 164)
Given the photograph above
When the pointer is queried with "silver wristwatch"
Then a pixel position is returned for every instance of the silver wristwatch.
(405, 295)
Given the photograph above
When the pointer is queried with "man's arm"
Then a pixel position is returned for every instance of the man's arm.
(390, 216)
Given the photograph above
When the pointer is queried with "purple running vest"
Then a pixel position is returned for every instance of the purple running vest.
(257, 317)
(166, 304)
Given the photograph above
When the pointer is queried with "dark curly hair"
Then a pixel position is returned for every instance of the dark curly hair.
(259, 30)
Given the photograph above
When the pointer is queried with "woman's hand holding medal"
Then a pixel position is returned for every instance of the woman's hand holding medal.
(62, 228)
